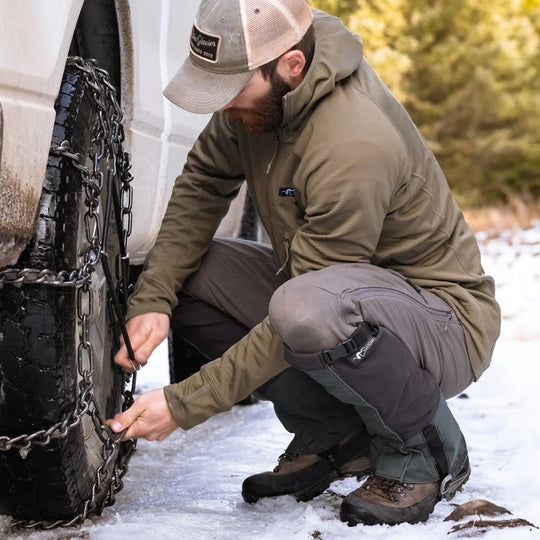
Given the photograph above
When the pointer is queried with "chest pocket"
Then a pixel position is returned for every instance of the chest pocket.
(289, 199)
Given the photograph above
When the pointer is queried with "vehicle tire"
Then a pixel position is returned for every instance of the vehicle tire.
(40, 335)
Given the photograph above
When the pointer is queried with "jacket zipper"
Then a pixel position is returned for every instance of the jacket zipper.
(269, 166)
(443, 314)
(287, 245)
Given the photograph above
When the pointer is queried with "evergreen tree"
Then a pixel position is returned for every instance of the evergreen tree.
(468, 72)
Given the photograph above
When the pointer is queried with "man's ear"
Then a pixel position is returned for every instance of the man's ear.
(290, 67)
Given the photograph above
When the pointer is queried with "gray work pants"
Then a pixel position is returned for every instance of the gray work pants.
(237, 285)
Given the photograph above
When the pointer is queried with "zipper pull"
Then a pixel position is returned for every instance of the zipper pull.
(273, 155)
(448, 319)
(287, 253)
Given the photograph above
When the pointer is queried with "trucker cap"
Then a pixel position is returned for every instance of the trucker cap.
(230, 39)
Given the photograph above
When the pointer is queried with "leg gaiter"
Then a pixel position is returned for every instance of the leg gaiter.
(415, 437)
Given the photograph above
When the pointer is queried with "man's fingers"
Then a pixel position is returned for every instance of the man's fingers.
(145, 349)
(121, 356)
(149, 417)
(126, 420)
(138, 341)
(146, 332)
(133, 432)
(122, 359)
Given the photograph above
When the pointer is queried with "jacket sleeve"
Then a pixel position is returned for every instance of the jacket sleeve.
(211, 178)
(218, 385)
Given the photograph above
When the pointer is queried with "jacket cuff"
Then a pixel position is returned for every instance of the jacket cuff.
(148, 307)
(192, 401)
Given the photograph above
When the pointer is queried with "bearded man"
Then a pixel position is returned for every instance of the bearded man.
(370, 307)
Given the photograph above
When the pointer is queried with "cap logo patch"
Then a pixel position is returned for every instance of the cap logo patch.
(205, 46)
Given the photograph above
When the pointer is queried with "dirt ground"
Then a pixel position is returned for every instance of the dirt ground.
(519, 213)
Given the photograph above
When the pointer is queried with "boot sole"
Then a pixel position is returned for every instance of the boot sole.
(308, 493)
(302, 495)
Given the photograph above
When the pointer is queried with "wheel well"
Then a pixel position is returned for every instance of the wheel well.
(97, 36)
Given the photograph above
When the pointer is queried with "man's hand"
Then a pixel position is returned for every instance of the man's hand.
(148, 418)
(145, 332)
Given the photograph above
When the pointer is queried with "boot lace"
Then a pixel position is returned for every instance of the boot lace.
(286, 456)
(391, 490)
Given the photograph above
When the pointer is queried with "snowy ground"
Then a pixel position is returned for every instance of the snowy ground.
(188, 487)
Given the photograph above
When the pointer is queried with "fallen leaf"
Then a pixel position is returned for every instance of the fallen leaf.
(475, 508)
(481, 526)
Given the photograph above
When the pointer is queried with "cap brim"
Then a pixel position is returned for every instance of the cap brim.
(200, 91)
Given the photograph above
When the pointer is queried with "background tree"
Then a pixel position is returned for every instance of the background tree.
(468, 72)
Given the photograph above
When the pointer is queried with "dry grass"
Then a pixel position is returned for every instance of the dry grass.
(519, 213)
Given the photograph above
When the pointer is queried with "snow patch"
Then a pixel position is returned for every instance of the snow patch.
(188, 487)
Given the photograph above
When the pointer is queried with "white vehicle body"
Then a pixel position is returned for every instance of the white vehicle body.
(58, 334)
(35, 37)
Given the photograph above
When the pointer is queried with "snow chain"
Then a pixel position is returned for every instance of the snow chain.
(107, 142)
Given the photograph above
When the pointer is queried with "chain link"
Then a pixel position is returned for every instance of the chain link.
(108, 136)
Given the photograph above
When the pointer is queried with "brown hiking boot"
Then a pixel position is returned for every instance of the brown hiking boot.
(380, 500)
(306, 476)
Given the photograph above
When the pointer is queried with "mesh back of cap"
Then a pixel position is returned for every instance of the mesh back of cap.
(273, 27)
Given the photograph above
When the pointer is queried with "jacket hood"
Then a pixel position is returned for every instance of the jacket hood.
(338, 54)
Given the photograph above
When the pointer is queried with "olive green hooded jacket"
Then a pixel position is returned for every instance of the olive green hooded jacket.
(367, 189)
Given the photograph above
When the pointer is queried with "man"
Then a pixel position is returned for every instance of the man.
(371, 306)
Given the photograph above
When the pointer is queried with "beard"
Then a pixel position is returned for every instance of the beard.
(267, 112)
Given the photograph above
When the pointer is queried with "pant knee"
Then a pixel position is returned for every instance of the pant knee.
(306, 316)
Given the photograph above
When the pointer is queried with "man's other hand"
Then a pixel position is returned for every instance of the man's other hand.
(148, 418)
(145, 332)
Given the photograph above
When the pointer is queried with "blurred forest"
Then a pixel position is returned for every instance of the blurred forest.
(468, 72)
